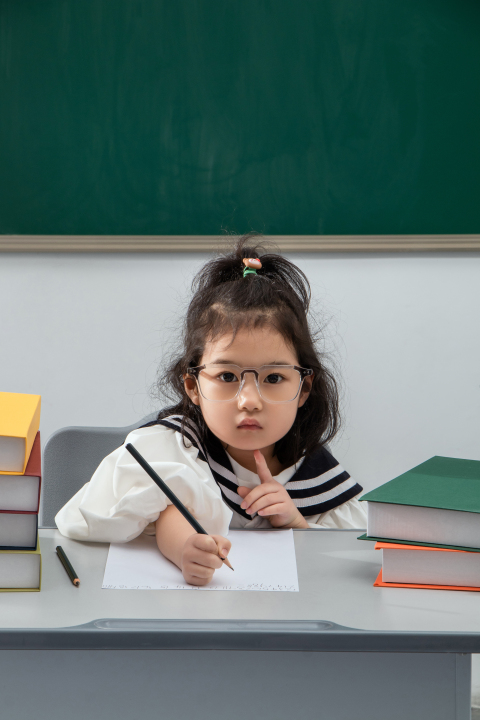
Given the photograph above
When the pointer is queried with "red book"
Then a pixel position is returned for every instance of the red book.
(21, 493)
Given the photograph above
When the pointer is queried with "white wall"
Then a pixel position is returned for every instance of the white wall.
(87, 332)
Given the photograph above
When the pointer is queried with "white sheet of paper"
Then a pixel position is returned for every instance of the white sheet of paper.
(262, 560)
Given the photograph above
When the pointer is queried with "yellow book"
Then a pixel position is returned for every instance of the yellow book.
(19, 423)
(21, 570)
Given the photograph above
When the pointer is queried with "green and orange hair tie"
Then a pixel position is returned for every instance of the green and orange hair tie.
(251, 266)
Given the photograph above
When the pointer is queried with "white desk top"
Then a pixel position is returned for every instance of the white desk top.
(336, 574)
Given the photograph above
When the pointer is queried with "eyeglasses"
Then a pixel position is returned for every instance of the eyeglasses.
(275, 383)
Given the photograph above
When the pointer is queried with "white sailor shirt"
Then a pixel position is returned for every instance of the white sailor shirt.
(121, 501)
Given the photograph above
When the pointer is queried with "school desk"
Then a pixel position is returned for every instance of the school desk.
(337, 649)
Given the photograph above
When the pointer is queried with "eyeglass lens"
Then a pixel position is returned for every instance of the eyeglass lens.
(276, 383)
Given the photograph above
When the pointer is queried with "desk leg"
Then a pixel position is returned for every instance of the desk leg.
(463, 684)
(211, 684)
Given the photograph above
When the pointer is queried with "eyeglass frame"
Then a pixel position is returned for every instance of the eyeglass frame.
(303, 372)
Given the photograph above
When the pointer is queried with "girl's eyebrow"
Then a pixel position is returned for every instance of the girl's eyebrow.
(223, 361)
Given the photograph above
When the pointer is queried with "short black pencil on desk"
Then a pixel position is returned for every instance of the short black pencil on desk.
(171, 495)
(68, 566)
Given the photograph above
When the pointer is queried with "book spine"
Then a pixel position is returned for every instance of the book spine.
(21, 547)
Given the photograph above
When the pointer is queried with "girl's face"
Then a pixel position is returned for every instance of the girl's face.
(268, 421)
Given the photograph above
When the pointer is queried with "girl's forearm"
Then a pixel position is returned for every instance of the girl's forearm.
(172, 531)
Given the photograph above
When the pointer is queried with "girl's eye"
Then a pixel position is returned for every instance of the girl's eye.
(227, 377)
(273, 379)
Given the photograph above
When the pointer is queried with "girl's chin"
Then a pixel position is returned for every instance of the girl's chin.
(241, 441)
(245, 440)
(253, 442)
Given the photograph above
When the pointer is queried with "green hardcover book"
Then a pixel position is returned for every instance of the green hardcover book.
(21, 570)
(436, 503)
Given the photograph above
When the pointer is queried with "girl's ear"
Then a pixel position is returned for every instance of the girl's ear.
(190, 385)
(305, 391)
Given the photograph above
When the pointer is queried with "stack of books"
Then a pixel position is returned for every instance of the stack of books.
(427, 524)
(20, 484)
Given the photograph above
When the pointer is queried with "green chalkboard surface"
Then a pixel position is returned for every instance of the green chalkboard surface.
(165, 117)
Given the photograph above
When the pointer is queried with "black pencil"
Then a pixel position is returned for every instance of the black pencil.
(171, 495)
(68, 566)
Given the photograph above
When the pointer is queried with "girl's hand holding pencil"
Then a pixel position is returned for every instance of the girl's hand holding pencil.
(271, 499)
(187, 544)
(200, 557)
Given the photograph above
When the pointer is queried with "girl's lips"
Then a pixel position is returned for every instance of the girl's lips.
(250, 425)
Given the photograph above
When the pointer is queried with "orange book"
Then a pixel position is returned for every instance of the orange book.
(379, 583)
(432, 568)
(19, 423)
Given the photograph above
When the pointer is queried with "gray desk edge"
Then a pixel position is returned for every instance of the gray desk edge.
(293, 636)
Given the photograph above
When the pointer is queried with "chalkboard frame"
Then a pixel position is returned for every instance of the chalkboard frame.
(207, 243)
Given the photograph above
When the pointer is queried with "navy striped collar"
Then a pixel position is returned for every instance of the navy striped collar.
(320, 484)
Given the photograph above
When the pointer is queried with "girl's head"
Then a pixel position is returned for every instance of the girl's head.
(251, 321)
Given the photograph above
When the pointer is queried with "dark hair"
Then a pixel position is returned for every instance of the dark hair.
(277, 296)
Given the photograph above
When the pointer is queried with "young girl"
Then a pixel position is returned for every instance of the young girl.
(244, 447)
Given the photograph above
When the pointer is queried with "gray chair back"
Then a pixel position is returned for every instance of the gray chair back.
(70, 457)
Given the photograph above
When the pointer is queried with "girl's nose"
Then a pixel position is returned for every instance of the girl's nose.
(249, 397)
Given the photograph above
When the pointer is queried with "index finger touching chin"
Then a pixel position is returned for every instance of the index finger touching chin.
(262, 468)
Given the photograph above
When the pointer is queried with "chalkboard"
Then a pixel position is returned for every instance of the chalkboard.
(161, 117)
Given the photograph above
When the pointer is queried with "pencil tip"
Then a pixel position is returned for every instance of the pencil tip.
(227, 562)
